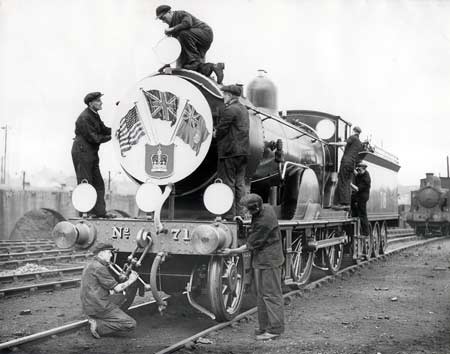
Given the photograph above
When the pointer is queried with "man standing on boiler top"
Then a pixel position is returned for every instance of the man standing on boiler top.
(90, 132)
(195, 38)
(264, 242)
(233, 146)
(343, 192)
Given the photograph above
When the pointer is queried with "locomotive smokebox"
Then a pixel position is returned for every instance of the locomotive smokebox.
(262, 92)
(428, 197)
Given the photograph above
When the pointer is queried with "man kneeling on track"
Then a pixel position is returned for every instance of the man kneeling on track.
(104, 311)
(264, 241)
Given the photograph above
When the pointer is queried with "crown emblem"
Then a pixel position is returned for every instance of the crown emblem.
(159, 161)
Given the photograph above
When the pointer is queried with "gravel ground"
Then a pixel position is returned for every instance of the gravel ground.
(397, 306)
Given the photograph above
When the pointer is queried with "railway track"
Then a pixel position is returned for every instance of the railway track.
(394, 248)
(47, 257)
(394, 236)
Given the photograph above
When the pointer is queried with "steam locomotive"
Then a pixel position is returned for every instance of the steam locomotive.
(429, 214)
(163, 137)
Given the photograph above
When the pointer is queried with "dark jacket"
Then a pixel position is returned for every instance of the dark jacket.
(232, 131)
(90, 132)
(362, 181)
(96, 282)
(264, 240)
(182, 20)
(352, 150)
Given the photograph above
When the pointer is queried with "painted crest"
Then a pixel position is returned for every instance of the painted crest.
(159, 160)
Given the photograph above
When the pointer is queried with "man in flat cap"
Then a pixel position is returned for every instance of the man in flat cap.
(360, 196)
(195, 38)
(265, 244)
(233, 146)
(342, 194)
(106, 312)
(90, 132)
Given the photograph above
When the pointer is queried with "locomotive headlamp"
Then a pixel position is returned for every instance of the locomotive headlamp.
(148, 197)
(325, 129)
(167, 50)
(84, 197)
(209, 238)
(218, 198)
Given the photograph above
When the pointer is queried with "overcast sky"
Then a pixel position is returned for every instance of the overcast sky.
(381, 64)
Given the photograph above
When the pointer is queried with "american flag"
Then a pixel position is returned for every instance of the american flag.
(192, 128)
(130, 131)
(163, 105)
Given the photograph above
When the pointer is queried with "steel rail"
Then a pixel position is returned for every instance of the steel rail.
(37, 275)
(60, 329)
(71, 256)
(14, 256)
(316, 284)
(33, 287)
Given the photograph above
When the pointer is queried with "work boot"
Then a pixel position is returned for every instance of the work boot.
(93, 328)
(162, 69)
(218, 70)
(267, 336)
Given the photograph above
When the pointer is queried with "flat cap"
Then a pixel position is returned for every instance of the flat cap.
(251, 199)
(361, 164)
(161, 10)
(233, 89)
(357, 129)
(91, 96)
(101, 246)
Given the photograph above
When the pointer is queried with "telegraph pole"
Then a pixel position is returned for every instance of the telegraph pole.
(5, 128)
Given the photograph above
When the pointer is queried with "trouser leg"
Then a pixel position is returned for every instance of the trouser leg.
(342, 194)
(362, 213)
(272, 297)
(83, 164)
(115, 321)
(240, 188)
(261, 306)
(99, 185)
(226, 172)
(194, 45)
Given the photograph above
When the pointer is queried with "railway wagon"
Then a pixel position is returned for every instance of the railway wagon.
(429, 214)
(163, 138)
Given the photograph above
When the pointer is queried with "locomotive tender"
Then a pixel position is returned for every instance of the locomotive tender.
(164, 137)
(429, 213)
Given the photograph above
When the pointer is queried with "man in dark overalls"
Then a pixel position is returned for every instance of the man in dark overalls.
(90, 132)
(105, 311)
(264, 242)
(361, 196)
(343, 192)
(195, 38)
(233, 146)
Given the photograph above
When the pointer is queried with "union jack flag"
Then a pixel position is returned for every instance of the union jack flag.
(163, 105)
(192, 129)
(130, 131)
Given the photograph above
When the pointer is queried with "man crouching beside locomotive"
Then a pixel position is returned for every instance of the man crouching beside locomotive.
(264, 242)
(361, 196)
(233, 146)
(104, 311)
(343, 192)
